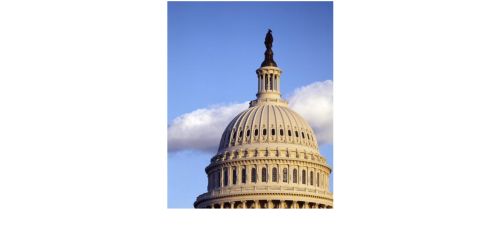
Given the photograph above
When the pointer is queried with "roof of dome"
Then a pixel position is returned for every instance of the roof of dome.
(272, 124)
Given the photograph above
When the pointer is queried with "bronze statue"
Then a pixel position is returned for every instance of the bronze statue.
(269, 39)
(268, 61)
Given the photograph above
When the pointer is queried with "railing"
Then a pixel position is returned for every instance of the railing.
(261, 189)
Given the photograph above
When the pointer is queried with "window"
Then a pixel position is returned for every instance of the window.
(248, 132)
(225, 178)
(281, 132)
(285, 176)
(264, 174)
(294, 175)
(303, 135)
(254, 175)
(234, 176)
(317, 179)
(311, 178)
(296, 134)
(303, 176)
(308, 137)
(218, 181)
(243, 176)
(289, 133)
(264, 132)
(275, 175)
(241, 133)
(273, 132)
(256, 132)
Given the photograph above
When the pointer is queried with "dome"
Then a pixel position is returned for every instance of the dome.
(268, 155)
(268, 125)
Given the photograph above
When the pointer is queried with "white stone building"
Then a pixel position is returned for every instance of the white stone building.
(268, 155)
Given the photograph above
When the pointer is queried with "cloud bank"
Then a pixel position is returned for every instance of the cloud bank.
(314, 103)
(202, 129)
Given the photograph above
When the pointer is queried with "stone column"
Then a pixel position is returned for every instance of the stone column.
(221, 205)
(260, 83)
(269, 203)
(244, 204)
(269, 84)
(256, 202)
(232, 205)
(213, 206)
(306, 204)
(294, 204)
(221, 178)
(278, 82)
(281, 204)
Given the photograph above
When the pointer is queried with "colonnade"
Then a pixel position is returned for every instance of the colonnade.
(269, 82)
(268, 204)
(285, 174)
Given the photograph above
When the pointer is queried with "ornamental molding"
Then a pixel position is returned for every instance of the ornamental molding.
(198, 201)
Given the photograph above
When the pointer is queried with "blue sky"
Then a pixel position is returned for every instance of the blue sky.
(214, 49)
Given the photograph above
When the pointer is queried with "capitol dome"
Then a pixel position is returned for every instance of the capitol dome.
(268, 155)
(268, 125)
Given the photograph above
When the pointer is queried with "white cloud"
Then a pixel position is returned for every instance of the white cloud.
(314, 103)
(202, 129)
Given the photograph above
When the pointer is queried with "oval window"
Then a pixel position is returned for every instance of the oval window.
(273, 132)
(281, 132)
(264, 132)
(256, 132)
(296, 134)
(248, 132)
(289, 133)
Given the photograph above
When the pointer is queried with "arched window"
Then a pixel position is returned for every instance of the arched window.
(225, 177)
(294, 175)
(248, 132)
(317, 179)
(241, 133)
(296, 134)
(303, 176)
(254, 175)
(256, 132)
(234, 176)
(308, 137)
(285, 175)
(303, 135)
(243, 176)
(311, 181)
(273, 132)
(281, 132)
(289, 133)
(275, 175)
(264, 132)
(264, 175)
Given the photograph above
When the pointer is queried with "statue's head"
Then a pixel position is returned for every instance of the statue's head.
(270, 31)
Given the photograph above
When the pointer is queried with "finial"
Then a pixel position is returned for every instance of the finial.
(268, 61)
